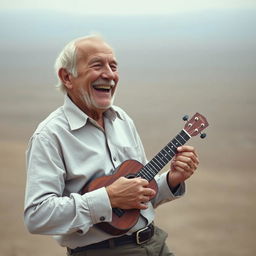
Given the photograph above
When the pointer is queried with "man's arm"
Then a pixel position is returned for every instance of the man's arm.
(47, 209)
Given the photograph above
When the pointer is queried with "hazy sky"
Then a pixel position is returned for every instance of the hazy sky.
(127, 7)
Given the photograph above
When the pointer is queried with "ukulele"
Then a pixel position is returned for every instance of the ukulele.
(124, 220)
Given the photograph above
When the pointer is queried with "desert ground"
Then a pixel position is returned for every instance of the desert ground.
(217, 214)
(169, 67)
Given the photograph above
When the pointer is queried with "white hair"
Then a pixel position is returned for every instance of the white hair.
(67, 59)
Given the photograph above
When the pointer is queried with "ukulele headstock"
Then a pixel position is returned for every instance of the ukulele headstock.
(195, 125)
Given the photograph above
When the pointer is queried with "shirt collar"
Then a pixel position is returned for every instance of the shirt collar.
(77, 118)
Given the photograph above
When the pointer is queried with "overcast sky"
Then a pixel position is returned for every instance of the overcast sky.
(127, 6)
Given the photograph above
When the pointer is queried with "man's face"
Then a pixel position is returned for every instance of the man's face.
(97, 76)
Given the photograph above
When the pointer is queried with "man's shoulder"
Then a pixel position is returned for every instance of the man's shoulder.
(52, 123)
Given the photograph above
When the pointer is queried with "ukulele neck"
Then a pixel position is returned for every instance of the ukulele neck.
(153, 167)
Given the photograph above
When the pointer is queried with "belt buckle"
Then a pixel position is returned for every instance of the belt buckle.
(138, 236)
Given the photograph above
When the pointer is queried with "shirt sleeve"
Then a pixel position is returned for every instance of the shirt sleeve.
(164, 192)
(47, 210)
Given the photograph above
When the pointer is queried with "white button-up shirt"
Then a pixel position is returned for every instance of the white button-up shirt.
(67, 151)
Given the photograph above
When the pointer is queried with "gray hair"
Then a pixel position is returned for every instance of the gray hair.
(67, 59)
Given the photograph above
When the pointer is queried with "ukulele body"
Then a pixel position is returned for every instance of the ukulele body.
(122, 220)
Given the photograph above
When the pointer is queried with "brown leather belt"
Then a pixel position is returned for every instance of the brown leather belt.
(139, 237)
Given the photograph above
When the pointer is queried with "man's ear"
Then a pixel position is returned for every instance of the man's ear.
(65, 76)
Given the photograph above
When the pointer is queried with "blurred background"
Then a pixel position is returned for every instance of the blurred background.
(175, 57)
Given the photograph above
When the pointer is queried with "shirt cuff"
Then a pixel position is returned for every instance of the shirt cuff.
(163, 184)
(99, 205)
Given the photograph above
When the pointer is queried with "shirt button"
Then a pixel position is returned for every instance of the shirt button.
(114, 158)
(102, 218)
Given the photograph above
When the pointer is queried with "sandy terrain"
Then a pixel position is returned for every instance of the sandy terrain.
(168, 67)
(216, 217)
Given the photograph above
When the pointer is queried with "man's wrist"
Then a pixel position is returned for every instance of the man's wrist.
(173, 188)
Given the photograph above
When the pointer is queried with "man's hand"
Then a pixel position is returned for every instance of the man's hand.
(183, 165)
(130, 193)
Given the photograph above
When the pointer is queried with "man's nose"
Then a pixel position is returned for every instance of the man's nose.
(108, 73)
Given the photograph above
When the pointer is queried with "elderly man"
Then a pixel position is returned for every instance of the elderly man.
(86, 138)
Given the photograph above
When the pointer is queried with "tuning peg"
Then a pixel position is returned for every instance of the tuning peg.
(203, 135)
(185, 118)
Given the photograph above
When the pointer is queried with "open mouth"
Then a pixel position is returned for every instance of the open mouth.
(102, 88)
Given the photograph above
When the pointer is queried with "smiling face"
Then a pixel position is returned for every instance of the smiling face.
(92, 90)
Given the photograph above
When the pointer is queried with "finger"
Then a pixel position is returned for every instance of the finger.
(144, 199)
(186, 174)
(187, 148)
(179, 169)
(191, 160)
(142, 182)
(148, 192)
(187, 156)
(183, 166)
(142, 206)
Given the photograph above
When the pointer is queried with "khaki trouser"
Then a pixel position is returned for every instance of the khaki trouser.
(155, 247)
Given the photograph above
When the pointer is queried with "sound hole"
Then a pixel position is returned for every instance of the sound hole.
(130, 176)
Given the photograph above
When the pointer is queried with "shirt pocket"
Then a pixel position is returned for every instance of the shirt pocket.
(130, 153)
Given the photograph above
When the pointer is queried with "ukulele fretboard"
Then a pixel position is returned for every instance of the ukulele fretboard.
(150, 170)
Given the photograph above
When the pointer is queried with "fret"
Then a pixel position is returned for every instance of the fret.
(160, 160)
(153, 171)
(164, 155)
(180, 140)
(179, 136)
(185, 135)
(176, 143)
(153, 165)
(171, 150)
(148, 166)
(146, 175)
(172, 147)
(157, 162)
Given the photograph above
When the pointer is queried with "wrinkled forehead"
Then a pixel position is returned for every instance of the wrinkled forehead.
(86, 48)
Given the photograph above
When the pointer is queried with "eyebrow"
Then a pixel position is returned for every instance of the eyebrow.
(99, 59)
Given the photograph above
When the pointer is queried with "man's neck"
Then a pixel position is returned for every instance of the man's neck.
(96, 114)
